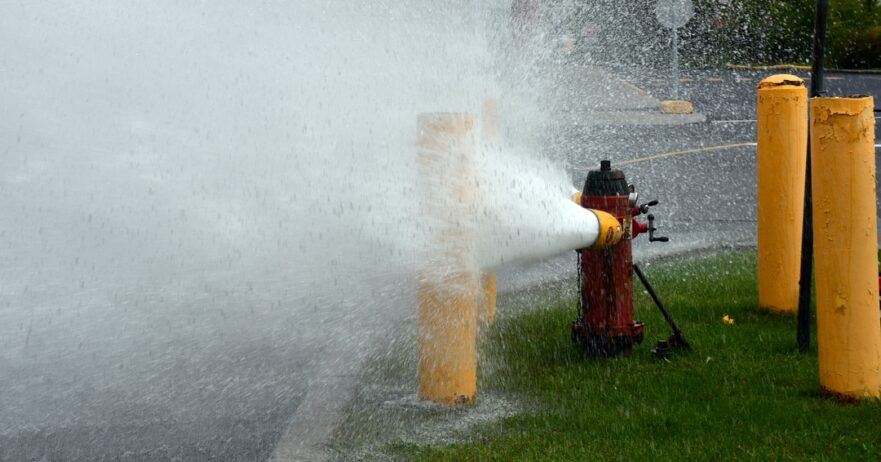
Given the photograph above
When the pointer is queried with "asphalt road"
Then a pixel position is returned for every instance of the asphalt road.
(212, 381)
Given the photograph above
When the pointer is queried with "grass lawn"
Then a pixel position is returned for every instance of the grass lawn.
(741, 393)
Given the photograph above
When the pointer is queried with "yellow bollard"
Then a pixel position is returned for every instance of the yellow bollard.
(489, 134)
(845, 246)
(488, 283)
(448, 285)
(782, 131)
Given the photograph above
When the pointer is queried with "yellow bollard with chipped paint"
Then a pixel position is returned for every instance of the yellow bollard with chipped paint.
(782, 132)
(845, 246)
(489, 135)
(448, 291)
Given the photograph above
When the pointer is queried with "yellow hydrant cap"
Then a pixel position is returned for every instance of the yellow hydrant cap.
(610, 231)
(780, 80)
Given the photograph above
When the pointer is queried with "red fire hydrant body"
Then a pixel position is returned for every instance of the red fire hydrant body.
(606, 326)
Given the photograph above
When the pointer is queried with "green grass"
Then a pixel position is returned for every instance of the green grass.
(742, 393)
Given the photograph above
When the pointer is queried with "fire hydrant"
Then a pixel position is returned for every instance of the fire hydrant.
(606, 326)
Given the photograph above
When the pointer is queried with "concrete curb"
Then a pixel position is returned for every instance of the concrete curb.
(311, 427)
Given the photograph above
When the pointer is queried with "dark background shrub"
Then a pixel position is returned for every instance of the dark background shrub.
(734, 31)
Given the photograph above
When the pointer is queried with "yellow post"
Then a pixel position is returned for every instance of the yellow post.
(489, 134)
(488, 282)
(846, 245)
(448, 285)
(782, 131)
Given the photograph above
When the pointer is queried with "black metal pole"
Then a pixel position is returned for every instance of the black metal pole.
(819, 63)
(677, 333)
(803, 336)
